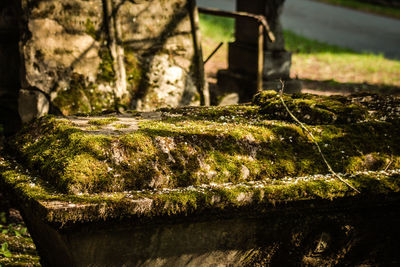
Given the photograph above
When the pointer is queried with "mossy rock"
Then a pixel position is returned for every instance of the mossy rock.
(311, 109)
(197, 158)
(193, 146)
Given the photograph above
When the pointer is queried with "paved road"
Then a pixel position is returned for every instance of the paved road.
(335, 25)
(228, 5)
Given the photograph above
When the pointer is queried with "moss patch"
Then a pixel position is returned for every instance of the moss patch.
(103, 121)
(83, 97)
(91, 29)
(194, 146)
(260, 195)
(179, 161)
(106, 73)
(133, 70)
(121, 126)
(311, 109)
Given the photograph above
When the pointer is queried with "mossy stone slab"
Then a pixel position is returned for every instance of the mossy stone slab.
(173, 172)
(197, 157)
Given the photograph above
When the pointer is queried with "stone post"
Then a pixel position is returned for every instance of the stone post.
(241, 75)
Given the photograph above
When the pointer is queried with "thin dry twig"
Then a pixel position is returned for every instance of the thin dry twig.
(314, 140)
(390, 163)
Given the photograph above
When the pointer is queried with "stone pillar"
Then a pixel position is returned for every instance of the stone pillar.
(243, 53)
(9, 67)
(95, 55)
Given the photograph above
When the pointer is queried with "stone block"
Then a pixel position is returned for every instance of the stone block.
(233, 185)
(32, 104)
(242, 73)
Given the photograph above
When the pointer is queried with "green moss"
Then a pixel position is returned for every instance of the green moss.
(311, 109)
(93, 128)
(121, 126)
(199, 159)
(17, 247)
(74, 149)
(133, 70)
(103, 121)
(82, 97)
(260, 195)
(73, 99)
(229, 145)
(106, 73)
(91, 29)
(217, 114)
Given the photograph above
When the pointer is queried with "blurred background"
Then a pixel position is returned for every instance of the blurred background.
(338, 46)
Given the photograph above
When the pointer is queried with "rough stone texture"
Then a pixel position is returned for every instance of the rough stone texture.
(102, 53)
(229, 185)
(347, 232)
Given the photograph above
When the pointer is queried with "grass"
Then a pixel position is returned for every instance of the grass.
(313, 60)
(366, 7)
(319, 61)
(217, 28)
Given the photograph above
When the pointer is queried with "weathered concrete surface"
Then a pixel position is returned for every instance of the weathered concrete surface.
(342, 232)
(86, 56)
(237, 185)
